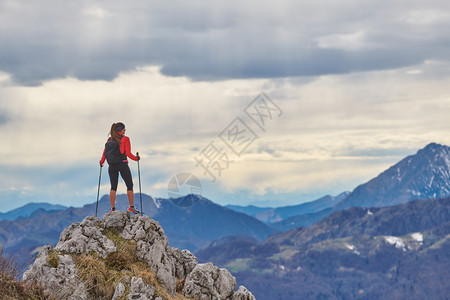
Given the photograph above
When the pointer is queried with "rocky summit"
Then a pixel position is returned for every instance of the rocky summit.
(126, 257)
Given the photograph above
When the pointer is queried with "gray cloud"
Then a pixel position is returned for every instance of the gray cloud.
(3, 118)
(209, 41)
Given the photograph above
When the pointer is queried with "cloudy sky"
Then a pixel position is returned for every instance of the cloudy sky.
(350, 88)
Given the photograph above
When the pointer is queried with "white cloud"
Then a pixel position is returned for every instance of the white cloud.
(391, 98)
(62, 117)
(335, 132)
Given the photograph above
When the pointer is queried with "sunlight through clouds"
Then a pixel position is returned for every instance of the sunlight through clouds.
(359, 86)
(335, 131)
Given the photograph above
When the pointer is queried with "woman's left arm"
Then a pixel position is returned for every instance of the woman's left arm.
(127, 146)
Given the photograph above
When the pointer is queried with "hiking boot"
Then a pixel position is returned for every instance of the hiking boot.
(112, 209)
(133, 210)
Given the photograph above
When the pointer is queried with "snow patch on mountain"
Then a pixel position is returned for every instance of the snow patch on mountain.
(353, 249)
(396, 241)
(414, 193)
(417, 237)
(398, 175)
(413, 242)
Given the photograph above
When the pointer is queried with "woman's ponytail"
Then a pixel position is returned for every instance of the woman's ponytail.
(114, 133)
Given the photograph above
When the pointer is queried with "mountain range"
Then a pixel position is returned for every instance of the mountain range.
(330, 248)
(425, 174)
(189, 227)
(272, 215)
(379, 242)
(28, 209)
(396, 252)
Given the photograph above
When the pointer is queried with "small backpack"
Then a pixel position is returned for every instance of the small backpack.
(112, 152)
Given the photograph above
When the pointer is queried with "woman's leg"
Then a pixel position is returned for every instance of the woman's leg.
(130, 198)
(112, 198)
(114, 179)
(125, 172)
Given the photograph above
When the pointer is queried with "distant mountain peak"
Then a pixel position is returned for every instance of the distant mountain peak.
(29, 209)
(433, 146)
(189, 200)
(434, 150)
(425, 174)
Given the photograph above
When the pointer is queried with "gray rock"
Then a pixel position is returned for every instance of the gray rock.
(119, 291)
(152, 247)
(159, 260)
(115, 220)
(139, 290)
(142, 228)
(60, 282)
(185, 262)
(201, 281)
(242, 294)
(85, 237)
(207, 281)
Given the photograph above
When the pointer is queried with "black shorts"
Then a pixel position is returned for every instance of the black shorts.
(124, 171)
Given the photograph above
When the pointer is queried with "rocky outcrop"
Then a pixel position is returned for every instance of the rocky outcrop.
(103, 259)
(137, 290)
(242, 294)
(85, 237)
(207, 280)
(56, 278)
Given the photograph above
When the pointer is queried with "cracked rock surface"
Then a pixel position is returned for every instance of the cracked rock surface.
(207, 281)
(137, 290)
(56, 279)
(85, 237)
(170, 265)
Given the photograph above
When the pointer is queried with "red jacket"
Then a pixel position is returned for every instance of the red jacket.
(125, 148)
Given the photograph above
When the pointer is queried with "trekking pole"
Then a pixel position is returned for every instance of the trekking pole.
(140, 190)
(98, 190)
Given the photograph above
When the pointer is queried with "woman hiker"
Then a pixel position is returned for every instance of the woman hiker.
(116, 151)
